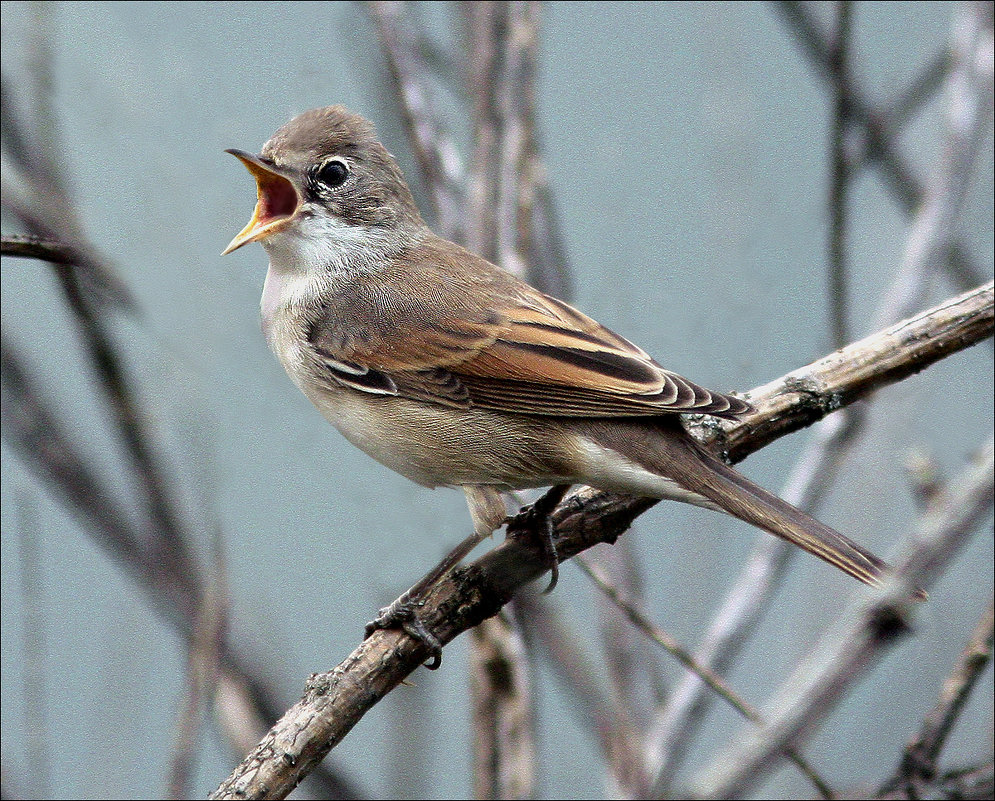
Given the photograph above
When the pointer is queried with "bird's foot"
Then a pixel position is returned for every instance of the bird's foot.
(403, 614)
(536, 521)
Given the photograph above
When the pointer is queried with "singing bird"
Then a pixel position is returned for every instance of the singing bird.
(454, 372)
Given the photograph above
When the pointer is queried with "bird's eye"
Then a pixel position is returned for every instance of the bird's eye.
(333, 173)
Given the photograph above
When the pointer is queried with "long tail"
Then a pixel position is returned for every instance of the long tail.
(741, 498)
(670, 452)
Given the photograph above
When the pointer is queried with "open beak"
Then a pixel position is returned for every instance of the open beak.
(277, 201)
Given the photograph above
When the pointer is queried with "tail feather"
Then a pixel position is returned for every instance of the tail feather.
(667, 450)
(755, 505)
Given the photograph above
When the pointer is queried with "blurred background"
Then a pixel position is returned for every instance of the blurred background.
(687, 151)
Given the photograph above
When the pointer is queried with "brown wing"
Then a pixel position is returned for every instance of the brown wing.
(471, 334)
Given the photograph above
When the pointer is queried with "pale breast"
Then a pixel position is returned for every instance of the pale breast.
(285, 295)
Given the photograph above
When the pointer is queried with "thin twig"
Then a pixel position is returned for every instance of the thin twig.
(33, 429)
(718, 685)
(916, 95)
(438, 157)
(968, 119)
(489, 45)
(899, 175)
(31, 189)
(973, 783)
(859, 369)
(507, 33)
(551, 636)
(35, 432)
(41, 76)
(33, 247)
(158, 554)
(632, 666)
(839, 306)
(486, 24)
(813, 474)
(204, 649)
(503, 705)
(919, 762)
(53, 211)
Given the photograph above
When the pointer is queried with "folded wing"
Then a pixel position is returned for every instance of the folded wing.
(523, 352)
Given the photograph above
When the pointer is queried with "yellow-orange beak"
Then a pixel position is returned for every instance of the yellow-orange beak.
(277, 202)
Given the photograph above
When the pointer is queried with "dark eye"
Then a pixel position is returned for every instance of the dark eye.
(333, 173)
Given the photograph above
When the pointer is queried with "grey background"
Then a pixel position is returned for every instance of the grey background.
(687, 149)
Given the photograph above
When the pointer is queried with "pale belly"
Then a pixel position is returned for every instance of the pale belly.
(438, 446)
(434, 446)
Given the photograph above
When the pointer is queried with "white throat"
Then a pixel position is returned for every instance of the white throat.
(322, 244)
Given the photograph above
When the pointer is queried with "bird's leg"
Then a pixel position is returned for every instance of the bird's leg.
(488, 512)
(536, 520)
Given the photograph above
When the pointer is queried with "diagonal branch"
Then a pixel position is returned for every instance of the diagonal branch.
(33, 247)
(897, 171)
(933, 223)
(335, 701)
(33, 429)
(715, 682)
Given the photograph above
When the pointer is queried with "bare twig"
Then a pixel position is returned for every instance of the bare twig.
(41, 75)
(681, 654)
(31, 428)
(204, 649)
(514, 100)
(860, 368)
(552, 637)
(32, 190)
(919, 763)
(896, 170)
(916, 95)
(50, 215)
(973, 783)
(168, 541)
(507, 33)
(487, 30)
(438, 158)
(158, 554)
(31, 247)
(35, 432)
(839, 307)
(490, 47)
(968, 119)
(631, 664)
(814, 473)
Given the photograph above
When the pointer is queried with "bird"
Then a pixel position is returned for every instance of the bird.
(454, 372)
